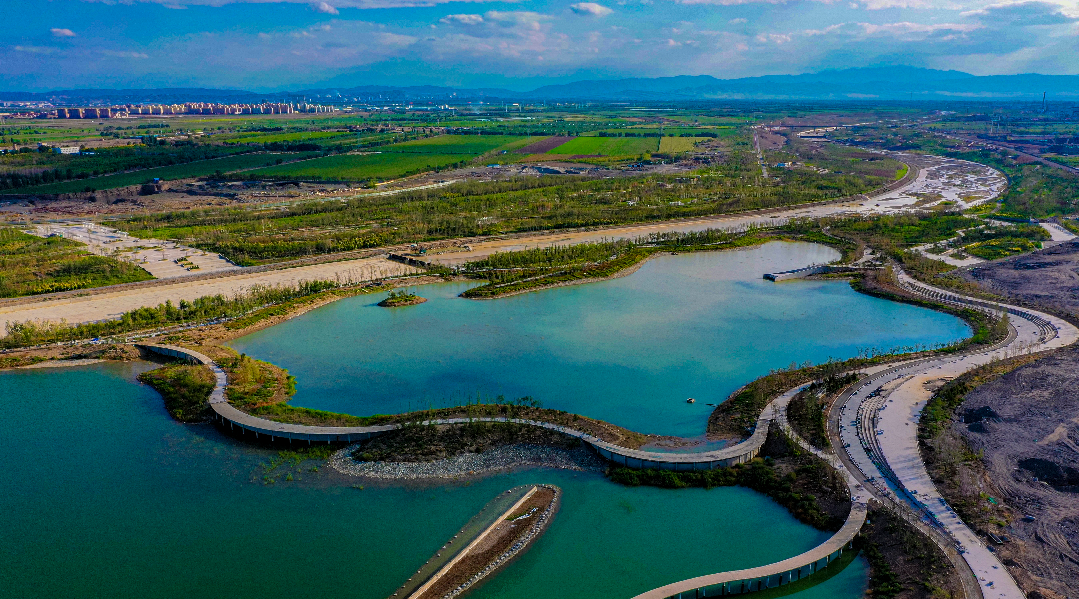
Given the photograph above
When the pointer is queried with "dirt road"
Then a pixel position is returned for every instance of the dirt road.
(104, 306)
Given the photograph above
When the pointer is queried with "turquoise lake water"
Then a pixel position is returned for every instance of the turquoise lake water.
(629, 351)
(103, 495)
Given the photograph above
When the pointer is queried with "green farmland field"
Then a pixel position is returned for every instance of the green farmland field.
(360, 167)
(675, 145)
(297, 136)
(200, 168)
(454, 144)
(608, 146)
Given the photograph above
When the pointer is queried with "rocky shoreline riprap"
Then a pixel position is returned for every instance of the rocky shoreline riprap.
(506, 457)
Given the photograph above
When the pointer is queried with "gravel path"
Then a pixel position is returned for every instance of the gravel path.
(500, 459)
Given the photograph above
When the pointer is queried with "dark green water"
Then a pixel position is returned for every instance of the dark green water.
(629, 351)
(102, 495)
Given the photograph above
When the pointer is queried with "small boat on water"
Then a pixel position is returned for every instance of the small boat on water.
(691, 400)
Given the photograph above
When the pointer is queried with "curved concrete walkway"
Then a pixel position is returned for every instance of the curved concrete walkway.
(1032, 330)
(891, 463)
(879, 428)
(227, 415)
(791, 569)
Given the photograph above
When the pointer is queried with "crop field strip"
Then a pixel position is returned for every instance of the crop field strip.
(397, 160)
(541, 146)
(607, 146)
(361, 167)
(454, 144)
(199, 168)
(677, 145)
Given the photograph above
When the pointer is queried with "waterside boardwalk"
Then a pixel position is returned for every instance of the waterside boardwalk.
(1045, 329)
(228, 416)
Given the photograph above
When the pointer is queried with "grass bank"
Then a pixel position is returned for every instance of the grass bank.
(511, 273)
(811, 490)
(185, 388)
(241, 311)
(903, 562)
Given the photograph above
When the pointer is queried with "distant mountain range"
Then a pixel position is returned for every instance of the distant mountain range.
(876, 83)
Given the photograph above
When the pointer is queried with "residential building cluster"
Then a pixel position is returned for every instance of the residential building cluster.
(108, 112)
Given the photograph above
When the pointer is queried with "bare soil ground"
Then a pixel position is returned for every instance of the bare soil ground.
(1024, 424)
(770, 140)
(544, 145)
(1012, 449)
(1048, 278)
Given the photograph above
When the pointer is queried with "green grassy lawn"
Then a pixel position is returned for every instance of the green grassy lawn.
(361, 167)
(453, 144)
(608, 146)
(201, 168)
(30, 265)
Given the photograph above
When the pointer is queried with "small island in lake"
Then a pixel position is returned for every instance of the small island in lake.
(401, 298)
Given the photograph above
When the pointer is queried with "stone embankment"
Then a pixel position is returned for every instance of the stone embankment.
(471, 464)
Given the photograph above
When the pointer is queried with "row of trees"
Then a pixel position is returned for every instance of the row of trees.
(487, 208)
(203, 309)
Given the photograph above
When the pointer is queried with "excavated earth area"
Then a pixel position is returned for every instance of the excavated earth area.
(1048, 278)
(1026, 425)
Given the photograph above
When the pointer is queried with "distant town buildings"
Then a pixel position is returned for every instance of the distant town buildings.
(66, 149)
(187, 108)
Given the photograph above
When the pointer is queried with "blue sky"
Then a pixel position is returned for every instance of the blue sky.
(282, 44)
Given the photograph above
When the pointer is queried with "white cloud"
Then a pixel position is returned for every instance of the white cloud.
(883, 4)
(58, 32)
(35, 49)
(515, 16)
(738, 21)
(118, 54)
(325, 7)
(462, 19)
(906, 28)
(590, 9)
(395, 40)
(1024, 13)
